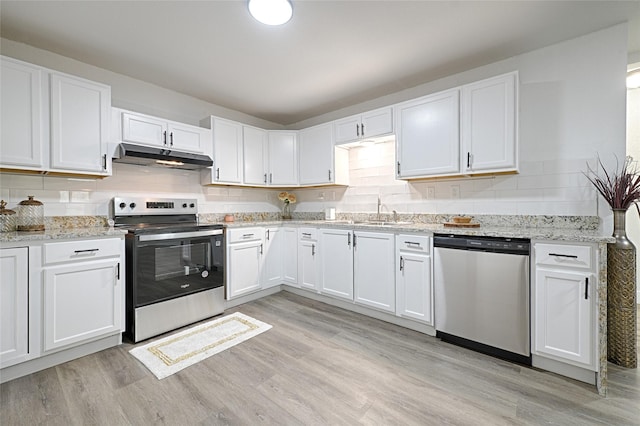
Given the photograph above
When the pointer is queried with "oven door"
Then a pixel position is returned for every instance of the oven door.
(176, 264)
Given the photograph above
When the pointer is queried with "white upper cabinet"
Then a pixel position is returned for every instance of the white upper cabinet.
(427, 136)
(489, 125)
(23, 133)
(55, 121)
(283, 158)
(371, 124)
(80, 117)
(154, 131)
(321, 162)
(255, 154)
(227, 152)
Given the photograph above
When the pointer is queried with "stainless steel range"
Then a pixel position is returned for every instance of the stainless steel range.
(174, 266)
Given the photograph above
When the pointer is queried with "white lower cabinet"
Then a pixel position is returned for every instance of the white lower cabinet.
(414, 289)
(374, 270)
(244, 261)
(308, 258)
(290, 256)
(81, 301)
(336, 263)
(273, 257)
(14, 305)
(564, 299)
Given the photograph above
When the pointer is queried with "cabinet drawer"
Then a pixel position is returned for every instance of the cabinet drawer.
(81, 250)
(308, 234)
(243, 234)
(413, 243)
(564, 255)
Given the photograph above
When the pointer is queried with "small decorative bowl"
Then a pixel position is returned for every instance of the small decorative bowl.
(462, 219)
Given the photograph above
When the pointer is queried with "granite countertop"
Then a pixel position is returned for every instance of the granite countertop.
(533, 233)
(60, 234)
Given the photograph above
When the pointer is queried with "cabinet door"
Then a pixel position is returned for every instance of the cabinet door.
(187, 138)
(80, 114)
(81, 301)
(377, 123)
(144, 129)
(413, 287)
(489, 125)
(347, 129)
(21, 132)
(227, 151)
(14, 305)
(244, 266)
(564, 310)
(427, 133)
(336, 263)
(283, 158)
(273, 257)
(290, 255)
(308, 264)
(255, 156)
(374, 270)
(316, 155)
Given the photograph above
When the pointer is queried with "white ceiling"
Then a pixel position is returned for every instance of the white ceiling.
(332, 54)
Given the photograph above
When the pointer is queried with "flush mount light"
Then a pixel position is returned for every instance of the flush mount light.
(271, 12)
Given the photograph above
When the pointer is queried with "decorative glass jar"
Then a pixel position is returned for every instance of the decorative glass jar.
(7, 218)
(30, 215)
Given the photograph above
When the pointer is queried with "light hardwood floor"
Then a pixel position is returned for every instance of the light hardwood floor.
(318, 365)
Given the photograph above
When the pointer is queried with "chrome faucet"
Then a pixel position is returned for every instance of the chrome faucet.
(379, 204)
(395, 216)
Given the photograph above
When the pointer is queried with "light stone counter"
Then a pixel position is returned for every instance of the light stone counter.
(7, 238)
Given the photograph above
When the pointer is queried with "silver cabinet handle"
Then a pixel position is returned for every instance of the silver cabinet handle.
(265, 178)
(261, 248)
(218, 173)
(87, 251)
(329, 175)
(357, 130)
(349, 239)
(306, 234)
(247, 235)
(118, 272)
(401, 263)
(270, 177)
(412, 243)
(268, 232)
(171, 138)
(586, 288)
(104, 162)
(164, 137)
(313, 249)
(362, 129)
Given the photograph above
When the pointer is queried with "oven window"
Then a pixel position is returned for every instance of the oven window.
(174, 268)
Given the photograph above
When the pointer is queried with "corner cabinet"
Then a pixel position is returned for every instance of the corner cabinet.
(320, 162)
(564, 303)
(283, 158)
(57, 122)
(14, 305)
(227, 152)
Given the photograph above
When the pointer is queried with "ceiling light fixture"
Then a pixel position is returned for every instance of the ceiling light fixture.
(271, 12)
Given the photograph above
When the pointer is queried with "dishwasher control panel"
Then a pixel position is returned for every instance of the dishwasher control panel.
(491, 244)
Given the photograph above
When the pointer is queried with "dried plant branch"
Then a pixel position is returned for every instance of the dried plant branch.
(620, 188)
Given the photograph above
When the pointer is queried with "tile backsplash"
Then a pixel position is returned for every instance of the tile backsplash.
(541, 188)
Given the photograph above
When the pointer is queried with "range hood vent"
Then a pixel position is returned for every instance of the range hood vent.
(159, 157)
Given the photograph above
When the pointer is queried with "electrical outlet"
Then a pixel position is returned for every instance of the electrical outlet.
(431, 192)
(455, 191)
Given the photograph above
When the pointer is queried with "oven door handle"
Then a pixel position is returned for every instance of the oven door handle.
(178, 235)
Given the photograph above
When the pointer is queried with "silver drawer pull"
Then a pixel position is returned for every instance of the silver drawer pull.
(570, 256)
(306, 234)
(247, 235)
(87, 251)
(412, 242)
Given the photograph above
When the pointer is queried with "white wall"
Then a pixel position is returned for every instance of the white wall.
(572, 107)
(633, 149)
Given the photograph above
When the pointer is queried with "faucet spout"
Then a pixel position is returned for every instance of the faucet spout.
(379, 204)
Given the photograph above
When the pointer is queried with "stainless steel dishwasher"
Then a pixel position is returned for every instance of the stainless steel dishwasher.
(482, 294)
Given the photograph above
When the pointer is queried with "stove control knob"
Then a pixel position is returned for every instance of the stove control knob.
(122, 205)
(132, 205)
(184, 206)
(192, 205)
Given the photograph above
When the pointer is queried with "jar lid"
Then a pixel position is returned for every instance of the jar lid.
(30, 202)
(3, 210)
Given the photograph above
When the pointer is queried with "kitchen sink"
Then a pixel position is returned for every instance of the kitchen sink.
(380, 223)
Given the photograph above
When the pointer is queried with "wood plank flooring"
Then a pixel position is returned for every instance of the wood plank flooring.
(318, 365)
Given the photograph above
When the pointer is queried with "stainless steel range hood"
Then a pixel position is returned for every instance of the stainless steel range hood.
(159, 157)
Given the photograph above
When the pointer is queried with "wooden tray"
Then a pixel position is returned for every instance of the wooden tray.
(461, 225)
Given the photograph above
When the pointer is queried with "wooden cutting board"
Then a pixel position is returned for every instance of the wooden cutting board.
(461, 225)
